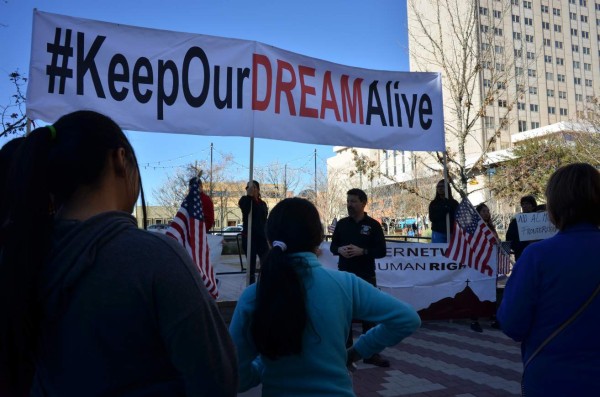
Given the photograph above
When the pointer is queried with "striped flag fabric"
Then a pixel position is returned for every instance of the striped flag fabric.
(188, 228)
(472, 241)
(504, 264)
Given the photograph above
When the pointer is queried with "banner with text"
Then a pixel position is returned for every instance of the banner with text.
(535, 226)
(163, 81)
(437, 287)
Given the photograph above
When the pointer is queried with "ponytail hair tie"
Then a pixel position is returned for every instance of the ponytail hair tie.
(280, 244)
(52, 131)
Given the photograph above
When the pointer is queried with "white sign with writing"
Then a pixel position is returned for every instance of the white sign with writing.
(420, 274)
(535, 226)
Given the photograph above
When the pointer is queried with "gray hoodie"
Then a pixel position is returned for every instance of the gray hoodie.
(125, 313)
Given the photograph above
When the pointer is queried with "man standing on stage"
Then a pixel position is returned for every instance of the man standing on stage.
(358, 239)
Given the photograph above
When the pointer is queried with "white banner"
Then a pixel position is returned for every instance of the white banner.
(156, 80)
(422, 276)
(535, 226)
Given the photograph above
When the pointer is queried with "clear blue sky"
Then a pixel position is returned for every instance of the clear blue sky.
(369, 34)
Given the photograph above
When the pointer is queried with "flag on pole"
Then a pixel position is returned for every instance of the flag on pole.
(503, 260)
(472, 241)
(188, 228)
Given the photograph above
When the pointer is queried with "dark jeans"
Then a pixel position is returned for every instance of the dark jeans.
(260, 248)
(366, 325)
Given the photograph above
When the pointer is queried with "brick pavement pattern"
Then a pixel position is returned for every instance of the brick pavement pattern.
(445, 359)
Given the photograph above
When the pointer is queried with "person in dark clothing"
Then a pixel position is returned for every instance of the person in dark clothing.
(358, 239)
(439, 207)
(92, 305)
(252, 202)
(528, 204)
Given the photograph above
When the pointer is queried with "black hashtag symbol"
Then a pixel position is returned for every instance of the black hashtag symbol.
(62, 71)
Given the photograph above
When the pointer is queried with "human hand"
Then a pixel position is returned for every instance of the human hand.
(353, 251)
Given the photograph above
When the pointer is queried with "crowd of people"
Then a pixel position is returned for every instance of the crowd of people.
(91, 305)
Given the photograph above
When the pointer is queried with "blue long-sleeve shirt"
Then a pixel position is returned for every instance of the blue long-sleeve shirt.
(333, 299)
(549, 282)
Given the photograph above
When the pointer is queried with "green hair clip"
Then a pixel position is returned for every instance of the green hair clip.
(52, 131)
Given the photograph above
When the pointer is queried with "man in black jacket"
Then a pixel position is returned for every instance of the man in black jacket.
(358, 240)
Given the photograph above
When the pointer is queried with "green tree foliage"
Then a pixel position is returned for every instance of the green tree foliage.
(533, 161)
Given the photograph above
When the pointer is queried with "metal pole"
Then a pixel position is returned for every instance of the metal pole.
(249, 242)
(446, 191)
(211, 169)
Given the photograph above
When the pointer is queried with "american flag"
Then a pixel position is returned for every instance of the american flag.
(503, 260)
(472, 241)
(188, 228)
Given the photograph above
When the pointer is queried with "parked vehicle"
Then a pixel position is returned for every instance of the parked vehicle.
(230, 233)
(158, 228)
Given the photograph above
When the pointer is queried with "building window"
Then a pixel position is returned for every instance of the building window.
(488, 122)
(501, 85)
(516, 35)
(533, 90)
(484, 28)
(572, 16)
(546, 25)
(577, 80)
(531, 72)
(483, 11)
(498, 31)
(585, 50)
(574, 48)
(560, 77)
(487, 83)
(556, 11)
(588, 83)
(557, 28)
(585, 35)
(535, 124)
(527, 4)
(573, 32)
(584, 18)
(562, 94)
(587, 67)
(529, 38)
(563, 112)
(528, 21)
(551, 110)
(550, 93)
(530, 55)
(499, 67)
(548, 58)
(499, 49)
(502, 103)
(516, 18)
(497, 14)
(558, 44)
(533, 107)
(544, 9)
(575, 64)
(547, 42)
(549, 76)
(518, 70)
(560, 61)
(522, 125)
(521, 105)
(583, 3)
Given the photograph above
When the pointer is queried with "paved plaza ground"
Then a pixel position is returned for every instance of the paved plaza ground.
(442, 359)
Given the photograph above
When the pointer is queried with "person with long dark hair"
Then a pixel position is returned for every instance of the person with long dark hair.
(90, 304)
(551, 302)
(290, 327)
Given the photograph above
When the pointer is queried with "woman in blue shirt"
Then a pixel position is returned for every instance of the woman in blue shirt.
(550, 282)
(290, 328)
